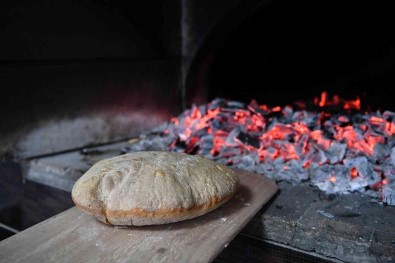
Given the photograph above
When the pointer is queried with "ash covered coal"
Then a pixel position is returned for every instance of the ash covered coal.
(334, 146)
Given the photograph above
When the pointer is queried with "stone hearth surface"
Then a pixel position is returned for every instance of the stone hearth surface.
(350, 228)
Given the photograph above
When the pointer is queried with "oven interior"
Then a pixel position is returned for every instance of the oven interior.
(78, 76)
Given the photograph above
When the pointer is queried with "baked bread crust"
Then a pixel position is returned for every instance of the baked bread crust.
(149, 188)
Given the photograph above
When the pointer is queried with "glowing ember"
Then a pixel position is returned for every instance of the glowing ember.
(332, 179)
(336, 101)
(353, 173)
(277, 108)
(339, 152)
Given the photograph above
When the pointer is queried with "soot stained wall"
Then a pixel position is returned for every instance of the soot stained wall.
(107, 62)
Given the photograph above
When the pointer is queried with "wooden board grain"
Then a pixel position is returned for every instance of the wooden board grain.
(73, 236)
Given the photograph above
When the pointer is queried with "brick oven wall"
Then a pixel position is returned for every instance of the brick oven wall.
(76, 73)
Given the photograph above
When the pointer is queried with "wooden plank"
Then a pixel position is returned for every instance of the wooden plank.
(73, 236)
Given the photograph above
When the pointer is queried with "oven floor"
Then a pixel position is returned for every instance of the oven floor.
(350, 228)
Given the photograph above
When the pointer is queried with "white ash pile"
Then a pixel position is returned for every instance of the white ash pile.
(335, 146)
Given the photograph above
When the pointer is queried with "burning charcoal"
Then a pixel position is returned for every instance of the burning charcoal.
(230, 151)
(305, 159)
(254, 155)
(265, 169)
(336, 152)
(393, 156)
(286, 149)
(391, 141)
(204, 152)
(312, 122)
(269, 153)
(320, 174)
(389, 193)
(358, 183)
(389, 115)
(248, 140)
(389, 172)
(192, 145)
(260, 111)
(178, 149)
(246, 163)
(207, 142)
(217, 103)
(364, 169)
(291, 171)
(278, 162)
(231, 139)
(299, 115)
(295, 167)
(288, 144)
(215, 124)
(333, 179)
(221, 160)
(380, 152)
(302, 144)
(203, 109)
(288, 112)
(285, 175)
(319, 157)
(226, 114)
(200, 133)
(236, 104)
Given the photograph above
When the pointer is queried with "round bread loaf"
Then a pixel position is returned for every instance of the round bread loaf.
(149, 188)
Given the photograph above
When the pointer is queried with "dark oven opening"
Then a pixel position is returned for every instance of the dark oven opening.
(283, 51)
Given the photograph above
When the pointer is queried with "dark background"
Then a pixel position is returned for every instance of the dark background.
(64, 59)
(293, 50)
(104, 60)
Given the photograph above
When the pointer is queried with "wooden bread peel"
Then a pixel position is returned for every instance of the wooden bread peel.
(73, 236)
